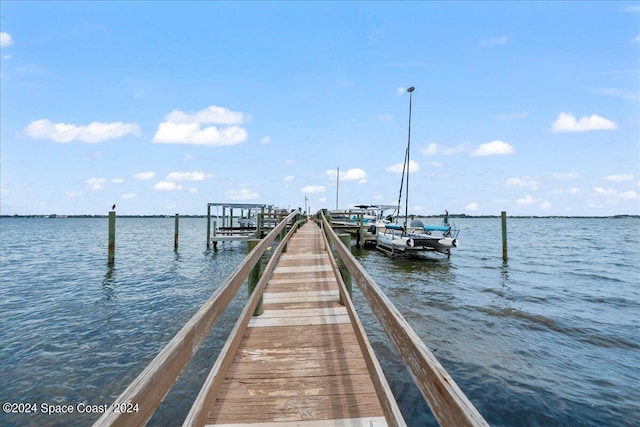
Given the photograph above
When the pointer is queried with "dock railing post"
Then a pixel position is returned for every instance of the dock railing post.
(504, 235)
(360, 232)
(254, 275)
(208, 225)
(175, 235)
(344, 271)
(112, 238)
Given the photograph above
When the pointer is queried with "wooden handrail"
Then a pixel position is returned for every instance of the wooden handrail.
(448, 403)
(216, 377)
(392, 413)
(152, 385)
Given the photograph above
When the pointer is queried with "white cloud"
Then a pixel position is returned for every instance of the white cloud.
(145, 175)
(599, 191)
(128, 196)
(401, 90)
(289, 178)
(211, 114)
(355, 174)
(472, 206)
(182, 128)
(629, 195)
(117, 180)
(566, 122)
(532, 183)
(95, 184)
(495, 147)
(313, 189)
(92, 133)
(5, 39)
(322, 200)
(617, 93)
(575, 191)
(619, 178)
(186, 176)
(73, 194)
(397, 168)
(242, 194)
(193, 190)
(527, 200)
(636, 39)
(167, 186)
(265, 140)
(545, 205)
(385, 117)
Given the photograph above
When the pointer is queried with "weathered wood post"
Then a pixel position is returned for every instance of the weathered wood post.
(175, 235)
(360, 232)
(208, 225)
(344, 272)
(112, 238)
(504, 235)
(283, 233)
(259, 224)
(254, 275)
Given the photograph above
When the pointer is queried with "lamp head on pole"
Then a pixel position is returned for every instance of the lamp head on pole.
(411, 89)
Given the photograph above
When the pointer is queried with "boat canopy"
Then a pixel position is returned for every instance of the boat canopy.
(437, 228)
(394, 226)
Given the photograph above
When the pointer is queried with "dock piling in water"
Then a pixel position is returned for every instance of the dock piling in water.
(344, 271)
(112, 237)
(175, 235)
(504, 235)
(254, 275)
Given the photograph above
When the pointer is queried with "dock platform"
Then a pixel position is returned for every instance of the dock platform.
(300, 360)
(298, 354)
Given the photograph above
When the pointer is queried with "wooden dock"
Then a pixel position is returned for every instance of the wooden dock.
(306, 360)
(300, 360)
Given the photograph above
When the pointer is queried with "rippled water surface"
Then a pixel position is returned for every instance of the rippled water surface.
(550, 337)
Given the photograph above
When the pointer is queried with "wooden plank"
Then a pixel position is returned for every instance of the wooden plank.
(305, 269)
(344, 422)
(216, 376)
(259, 322)
(294, 366)
(328, 295)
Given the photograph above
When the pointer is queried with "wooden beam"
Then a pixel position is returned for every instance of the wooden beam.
(216, 377)
(155, 381)
(448, 403)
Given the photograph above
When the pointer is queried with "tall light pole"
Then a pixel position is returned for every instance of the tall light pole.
(406, 206)
(305, 204)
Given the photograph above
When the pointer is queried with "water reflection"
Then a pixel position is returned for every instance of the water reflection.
(108, 284)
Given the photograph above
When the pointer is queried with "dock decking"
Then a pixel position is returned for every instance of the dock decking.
(306, 361)
(300, 361)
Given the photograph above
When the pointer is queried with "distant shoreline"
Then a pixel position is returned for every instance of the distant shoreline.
(55, 216)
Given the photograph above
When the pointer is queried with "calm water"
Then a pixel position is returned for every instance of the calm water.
(549, 338)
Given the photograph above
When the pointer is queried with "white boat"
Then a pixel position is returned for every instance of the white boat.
(403, 239)
(394, 239)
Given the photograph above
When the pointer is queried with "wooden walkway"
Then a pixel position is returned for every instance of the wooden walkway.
(299, 363)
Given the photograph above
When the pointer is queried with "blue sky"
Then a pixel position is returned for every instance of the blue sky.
(532, 108)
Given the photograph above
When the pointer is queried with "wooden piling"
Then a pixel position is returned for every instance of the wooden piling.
(344, 271)
(175, 235)
(254, 275)
(208, 225)
(360, 231)
(504, 235)
(112, 237)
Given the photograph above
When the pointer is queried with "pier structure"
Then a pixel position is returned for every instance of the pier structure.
(306, 360)
(254, 220)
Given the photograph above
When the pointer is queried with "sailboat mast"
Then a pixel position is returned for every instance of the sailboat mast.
(406, 206)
